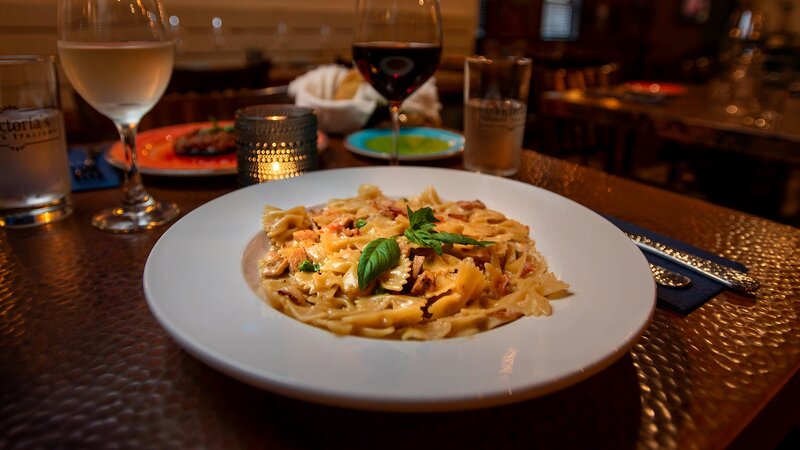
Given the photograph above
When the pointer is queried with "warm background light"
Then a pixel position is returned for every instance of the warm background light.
(289, 33)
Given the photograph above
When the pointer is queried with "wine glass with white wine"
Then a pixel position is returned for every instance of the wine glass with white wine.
(118, 56)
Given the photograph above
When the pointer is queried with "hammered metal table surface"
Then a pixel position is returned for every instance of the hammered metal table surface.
(84, 364)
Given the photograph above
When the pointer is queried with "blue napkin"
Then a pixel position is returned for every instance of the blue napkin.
(104, 177)
(702, 288)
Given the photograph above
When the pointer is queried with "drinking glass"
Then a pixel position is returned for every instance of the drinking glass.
(397, 46)
(34, 173)
(740, 52)
(495, 108)
(118, 56)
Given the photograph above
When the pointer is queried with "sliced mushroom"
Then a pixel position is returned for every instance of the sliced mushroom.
(424, 281)
(294, 295)
(273, 265)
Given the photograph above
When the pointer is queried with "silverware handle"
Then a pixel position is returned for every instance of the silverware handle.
(732, 278)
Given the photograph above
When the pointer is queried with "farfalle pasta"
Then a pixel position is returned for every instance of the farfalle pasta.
(311, 271)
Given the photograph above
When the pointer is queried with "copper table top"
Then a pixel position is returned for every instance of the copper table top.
(84, 363)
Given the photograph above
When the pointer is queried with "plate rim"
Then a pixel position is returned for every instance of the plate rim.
(249, 374)
(448, 153)
(674, 89)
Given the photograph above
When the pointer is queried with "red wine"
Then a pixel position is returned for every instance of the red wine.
(396, 69)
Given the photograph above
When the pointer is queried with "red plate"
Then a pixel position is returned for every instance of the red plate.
(654, 88)
(156, 153)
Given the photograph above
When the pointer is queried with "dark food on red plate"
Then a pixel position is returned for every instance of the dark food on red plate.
(207, 141)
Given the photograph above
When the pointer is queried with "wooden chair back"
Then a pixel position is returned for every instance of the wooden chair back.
(176, 108)
(579, 138)
(202, 79)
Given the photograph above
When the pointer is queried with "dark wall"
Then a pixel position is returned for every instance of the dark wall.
(646, 37)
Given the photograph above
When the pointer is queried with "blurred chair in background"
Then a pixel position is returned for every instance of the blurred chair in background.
(202, 90)
(176, 108)
(581, 139)
(560, 79)
(204, 77)
(698, 69)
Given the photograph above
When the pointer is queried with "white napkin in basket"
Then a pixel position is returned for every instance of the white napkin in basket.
(316, 88)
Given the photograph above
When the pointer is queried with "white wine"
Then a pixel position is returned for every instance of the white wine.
(121, 80)
(33, 155)
(493, 130)
(116, 56)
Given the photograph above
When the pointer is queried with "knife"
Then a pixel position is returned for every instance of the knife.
(732, 278)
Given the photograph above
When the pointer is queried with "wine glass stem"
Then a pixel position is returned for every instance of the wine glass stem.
(394, 111)
(132, 188)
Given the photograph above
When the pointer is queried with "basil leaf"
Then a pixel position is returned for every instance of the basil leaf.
(360, 223)
(453, 238)
(415, 237)
(421, 231)
(422, 218)
(377, 257)
(423, 238)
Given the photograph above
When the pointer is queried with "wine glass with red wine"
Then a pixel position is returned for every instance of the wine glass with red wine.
(397, 46)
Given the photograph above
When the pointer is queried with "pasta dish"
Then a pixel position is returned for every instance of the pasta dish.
(417, 268)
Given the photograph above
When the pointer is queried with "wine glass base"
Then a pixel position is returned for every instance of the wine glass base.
(133, 218)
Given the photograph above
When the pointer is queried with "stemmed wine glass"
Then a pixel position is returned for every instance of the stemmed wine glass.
(118, 56)
(397, 46)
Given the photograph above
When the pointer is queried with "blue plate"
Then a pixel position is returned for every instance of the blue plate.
(416, 143)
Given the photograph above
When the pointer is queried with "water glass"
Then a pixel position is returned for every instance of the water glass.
(34, 172)
(776, 75)
(275, 142)
(495, 109)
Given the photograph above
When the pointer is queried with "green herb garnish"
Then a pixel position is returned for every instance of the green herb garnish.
(359, 223)
(216, 128)
(377, 257)
(421, 232)
(307, 266)
(382, 254)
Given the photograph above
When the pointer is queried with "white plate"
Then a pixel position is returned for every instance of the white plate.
(195, 286)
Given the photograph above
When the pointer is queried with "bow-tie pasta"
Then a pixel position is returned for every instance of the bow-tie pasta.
(311, 271)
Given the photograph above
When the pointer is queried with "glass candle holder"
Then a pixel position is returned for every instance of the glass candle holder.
(275, 142)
